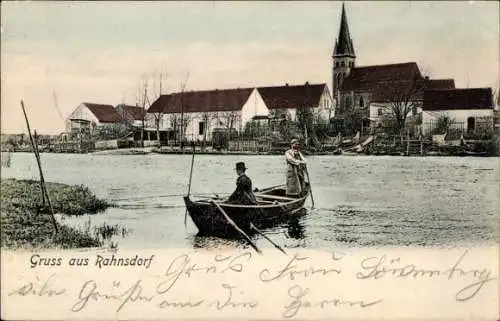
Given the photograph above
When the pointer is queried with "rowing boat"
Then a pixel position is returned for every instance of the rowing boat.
(273, 208)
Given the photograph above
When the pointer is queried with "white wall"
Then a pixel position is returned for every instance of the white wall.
(82, 112)
(254, 106)
(325, 108)
(460, 115)
(378, 111)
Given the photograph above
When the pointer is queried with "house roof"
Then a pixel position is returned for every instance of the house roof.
(343, 44)
(285, 97)
(436, 84)
(104, 113)
(398, 91)
(452, 99)
(135, 112)
(202, 101)
(365, 78)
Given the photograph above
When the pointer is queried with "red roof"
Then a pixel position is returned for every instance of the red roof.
(134, 112)
(452, 99)
(202, 101)
(364, 78)
(104, 113)
(287, 97)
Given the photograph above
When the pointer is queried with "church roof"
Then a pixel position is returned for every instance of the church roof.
(452, 99)
(343, 43)
(289, 97)
(365, 78)
(202, 101)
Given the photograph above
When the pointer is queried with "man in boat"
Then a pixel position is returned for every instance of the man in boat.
(243, 193)
(296, 165)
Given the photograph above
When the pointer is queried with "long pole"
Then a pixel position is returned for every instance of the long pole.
(310, 188)
(42, 180)
(189, 184)
(236, 227)
(267, 238)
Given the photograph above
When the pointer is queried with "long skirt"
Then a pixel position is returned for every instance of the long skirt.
(294, 181)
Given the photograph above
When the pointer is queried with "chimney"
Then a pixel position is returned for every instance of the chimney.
(307, 83)
(286, 84)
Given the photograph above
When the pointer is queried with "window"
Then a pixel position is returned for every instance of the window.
(361, 102)
(201, 128)
(380, 111)
(342, 64)
(337, 64)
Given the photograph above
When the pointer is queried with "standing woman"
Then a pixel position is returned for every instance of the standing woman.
(295, 182)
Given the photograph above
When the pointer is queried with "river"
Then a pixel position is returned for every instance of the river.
(360, 201)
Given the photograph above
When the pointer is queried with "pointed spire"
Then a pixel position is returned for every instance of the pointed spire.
(343, 44)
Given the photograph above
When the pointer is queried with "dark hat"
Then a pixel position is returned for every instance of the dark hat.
(240, 166)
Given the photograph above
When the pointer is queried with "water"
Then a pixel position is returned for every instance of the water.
(359, 201)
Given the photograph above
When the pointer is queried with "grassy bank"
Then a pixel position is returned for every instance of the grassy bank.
(25, 223)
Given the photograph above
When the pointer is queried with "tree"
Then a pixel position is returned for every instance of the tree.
(444, 124)
(402, 98)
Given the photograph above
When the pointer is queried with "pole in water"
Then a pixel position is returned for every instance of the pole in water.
(310, 188)
(267, 238)
(189, 184)
(236, 227)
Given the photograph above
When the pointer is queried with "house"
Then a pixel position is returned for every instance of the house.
(471, 109)
(132, 115)
(285, 101)
(403, 95)
(199, 114)
(88, 116)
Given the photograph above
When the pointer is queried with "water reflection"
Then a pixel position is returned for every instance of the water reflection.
(296, 227)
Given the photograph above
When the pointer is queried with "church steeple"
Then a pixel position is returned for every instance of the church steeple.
(343, 44)
(343, 57)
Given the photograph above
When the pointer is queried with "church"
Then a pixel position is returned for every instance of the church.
(373, 92)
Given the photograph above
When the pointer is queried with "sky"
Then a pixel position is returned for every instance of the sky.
(65, 53)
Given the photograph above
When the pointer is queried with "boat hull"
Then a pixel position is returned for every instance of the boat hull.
(210, 221)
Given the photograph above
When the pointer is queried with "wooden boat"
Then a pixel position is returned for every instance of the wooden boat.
(273, 208)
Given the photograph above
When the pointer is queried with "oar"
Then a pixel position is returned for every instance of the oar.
(231, 222)
(267, 238)
(189, 186)
(310, 188)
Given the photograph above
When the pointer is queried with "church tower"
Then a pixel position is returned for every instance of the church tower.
(343, 57)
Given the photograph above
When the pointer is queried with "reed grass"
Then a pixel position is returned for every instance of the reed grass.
(25, 223)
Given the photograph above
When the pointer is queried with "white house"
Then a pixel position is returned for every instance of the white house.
(87, 116)
(285, 101)
(472, 108)
(203, 112)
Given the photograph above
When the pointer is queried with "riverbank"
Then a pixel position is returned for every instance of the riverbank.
(26, 223)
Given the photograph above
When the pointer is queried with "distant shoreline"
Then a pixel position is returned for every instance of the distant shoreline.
(187, 151)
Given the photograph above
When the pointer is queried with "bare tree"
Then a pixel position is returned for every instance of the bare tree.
(183, 121)
(157, 115)
(402, 98)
